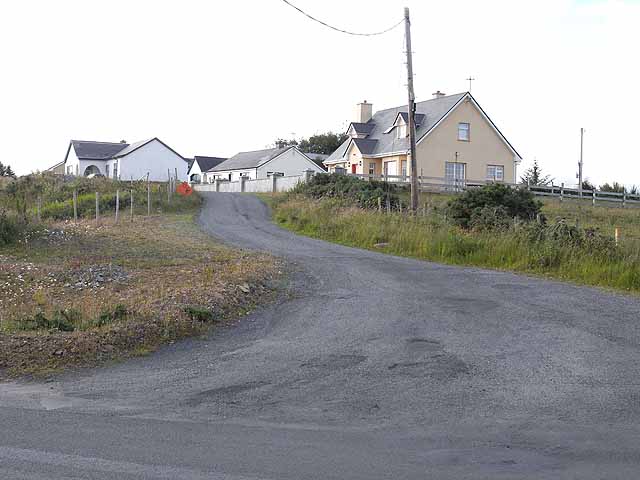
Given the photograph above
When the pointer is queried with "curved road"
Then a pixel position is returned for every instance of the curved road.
(371, 367)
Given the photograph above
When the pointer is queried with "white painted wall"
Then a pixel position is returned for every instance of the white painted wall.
(235, 174)
(291, 162)
(195, 170)
(155, 159)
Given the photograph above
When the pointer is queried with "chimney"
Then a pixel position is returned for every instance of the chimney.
(123, 141)
(364, 112)
(438, 94)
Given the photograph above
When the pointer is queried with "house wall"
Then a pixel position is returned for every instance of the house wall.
(195, 170)
(291, 162)
(155, 159)
(485, 147)
(235, 174)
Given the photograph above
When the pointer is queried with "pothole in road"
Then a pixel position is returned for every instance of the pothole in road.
(223, 393)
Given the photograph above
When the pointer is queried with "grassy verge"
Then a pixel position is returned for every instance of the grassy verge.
(432, 237)
(75, 295)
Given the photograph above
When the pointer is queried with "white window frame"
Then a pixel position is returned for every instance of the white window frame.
(455, 173)
(492, 173)
(372, 168)
(467, 130)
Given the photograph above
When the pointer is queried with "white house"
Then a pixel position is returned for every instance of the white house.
(286, 161)
(198, 167)
(125, 161)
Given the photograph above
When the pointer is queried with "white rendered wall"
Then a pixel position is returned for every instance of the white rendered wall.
(155, 159)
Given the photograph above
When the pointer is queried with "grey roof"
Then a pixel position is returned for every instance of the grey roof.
(318, 158)
(367, 146)
(134, 146)
(206, 163)
(431, 110)
(249, 159)
(88, 150)
(362, 127)
(419, 118)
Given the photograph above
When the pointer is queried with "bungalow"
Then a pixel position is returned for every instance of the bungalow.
(455, 140)
(198, 167)
(286, 161)
(124, 161)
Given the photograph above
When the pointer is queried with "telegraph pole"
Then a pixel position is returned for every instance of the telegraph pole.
(580, 162)
(411, 115)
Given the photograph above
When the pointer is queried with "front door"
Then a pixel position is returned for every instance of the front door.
(353, 168)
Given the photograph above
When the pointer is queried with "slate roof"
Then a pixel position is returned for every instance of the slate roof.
(252, 159)
(419, 118)
(429, 111)
(205, 163)
(88, 150)
(362, 127)
(130, 148)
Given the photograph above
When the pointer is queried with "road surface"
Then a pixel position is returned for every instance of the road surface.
(370, 367)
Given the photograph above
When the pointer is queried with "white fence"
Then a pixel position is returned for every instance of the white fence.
(270, 184)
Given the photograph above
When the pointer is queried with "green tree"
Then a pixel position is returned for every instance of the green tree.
(282, 143)
(5, 171)
(322, 143)
(587, 185)
(534, 176)
(614, 188)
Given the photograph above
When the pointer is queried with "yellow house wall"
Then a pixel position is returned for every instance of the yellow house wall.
(484, 148)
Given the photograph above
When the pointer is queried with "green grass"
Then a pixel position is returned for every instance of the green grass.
(431, 237)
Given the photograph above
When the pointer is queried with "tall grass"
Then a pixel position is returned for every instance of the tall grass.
(432, 237)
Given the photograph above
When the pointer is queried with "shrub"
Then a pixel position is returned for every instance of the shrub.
(62, 320)
(505, 201)
(363, 193)
(120, 312)
(490, 218)
(199, 314)
(9, 229)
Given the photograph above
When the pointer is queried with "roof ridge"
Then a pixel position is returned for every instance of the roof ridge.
(422, 101)
(98, 141)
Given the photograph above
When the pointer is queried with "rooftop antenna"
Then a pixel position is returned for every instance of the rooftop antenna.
(470, 79)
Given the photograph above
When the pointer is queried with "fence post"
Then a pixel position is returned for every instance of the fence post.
(97, 207)
(117, 204)
(131, 204)
(562, 192)
(617, 235)
(168, 186)
(528, 185)
(217, 180)
(379, 204)
(242, 185)
(148, 197)
(75, 206)
(593, 197)
(274, 183)
(624, 199)
(39, 208)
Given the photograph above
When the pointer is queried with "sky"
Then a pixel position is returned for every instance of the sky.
(218, 77)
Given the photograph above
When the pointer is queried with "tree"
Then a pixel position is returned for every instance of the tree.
(282, 143)
(323, 143)
(587, 185)
(535, 177)
(5, 171)
(613, 188)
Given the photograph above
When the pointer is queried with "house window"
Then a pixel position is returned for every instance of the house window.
(454, 172)
(402, 131)
(495, 173)
(70, 170)
(115, 171)
(372, 168)
(403, 168)
(106, 169)
(77, 170)
(463, 132)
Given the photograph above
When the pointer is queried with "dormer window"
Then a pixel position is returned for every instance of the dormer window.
(402, 131)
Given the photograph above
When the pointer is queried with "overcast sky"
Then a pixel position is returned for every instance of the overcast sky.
(214, 78)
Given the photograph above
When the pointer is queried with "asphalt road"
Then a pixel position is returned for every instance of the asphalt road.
(371, 367)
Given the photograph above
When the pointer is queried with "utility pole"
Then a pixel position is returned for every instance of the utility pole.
(411, 115)
(580, 162)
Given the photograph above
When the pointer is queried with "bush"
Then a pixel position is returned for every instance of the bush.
(9, 229)
(199, 314)
(62, 320)
(120, 312)
(506, 202)
(363, 193)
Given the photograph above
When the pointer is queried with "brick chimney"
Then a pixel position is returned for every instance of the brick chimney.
(364, 112)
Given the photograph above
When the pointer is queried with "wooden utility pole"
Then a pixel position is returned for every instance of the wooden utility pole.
(411, 115)
(580, 162)
(131, 203)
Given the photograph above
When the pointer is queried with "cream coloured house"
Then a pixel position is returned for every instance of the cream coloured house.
(455, 140)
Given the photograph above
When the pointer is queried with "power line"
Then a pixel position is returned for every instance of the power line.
(339, 29)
